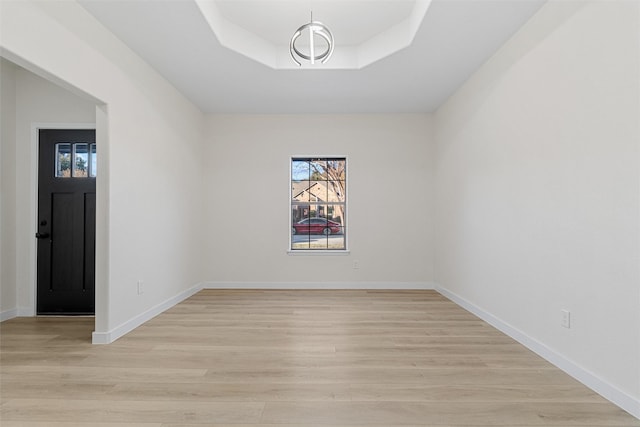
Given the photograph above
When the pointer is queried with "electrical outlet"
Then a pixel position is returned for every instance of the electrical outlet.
(140, 287)
(565, 320)
(356, 265)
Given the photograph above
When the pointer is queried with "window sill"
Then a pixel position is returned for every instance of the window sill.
(320, 252)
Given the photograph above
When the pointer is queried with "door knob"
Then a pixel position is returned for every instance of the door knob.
(42, 235)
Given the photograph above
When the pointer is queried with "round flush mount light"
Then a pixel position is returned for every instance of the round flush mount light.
(313, 28)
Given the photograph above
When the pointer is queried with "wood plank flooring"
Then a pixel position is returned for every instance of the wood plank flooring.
(294, 358)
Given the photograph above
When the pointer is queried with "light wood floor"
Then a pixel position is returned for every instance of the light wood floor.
(303, 358)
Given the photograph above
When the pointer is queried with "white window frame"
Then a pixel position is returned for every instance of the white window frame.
(320, 252)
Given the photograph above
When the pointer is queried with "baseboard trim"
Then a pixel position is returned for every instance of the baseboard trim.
(26, 312)
(8, 314)
(600, 386)
(128, 326)
(320, 285)
(16, 312)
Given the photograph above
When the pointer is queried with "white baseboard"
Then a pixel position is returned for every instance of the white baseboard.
(17, 312)
(26, 312)
(319, 285)
(600, 386)
(8, 314)
(128, 326)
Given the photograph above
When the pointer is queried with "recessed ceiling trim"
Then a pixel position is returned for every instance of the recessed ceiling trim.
(237, 38)
(243, 41)
(396, 38)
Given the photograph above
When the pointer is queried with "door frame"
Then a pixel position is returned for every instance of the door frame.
(33, 198)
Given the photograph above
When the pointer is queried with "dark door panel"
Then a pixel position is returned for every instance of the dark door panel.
(66, 223)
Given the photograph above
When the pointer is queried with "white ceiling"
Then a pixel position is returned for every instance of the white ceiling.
(454, 38)
(351, 21)
(366, 31)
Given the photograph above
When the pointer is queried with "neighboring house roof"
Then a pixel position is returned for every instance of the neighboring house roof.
(321, 192)
(299, 188)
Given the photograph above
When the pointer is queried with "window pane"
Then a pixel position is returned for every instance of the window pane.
(335, 215)
(300, 242)
(300, 170)
(93, 162)
(80, 160)
(337, 169)
(336, 191)
(336, 241)
(319, 191)
(299, 211)
(300, 226)
(318, 241)
(318, 170)
(301, 191)
(316, 226)
(318, 203)
(63, 160)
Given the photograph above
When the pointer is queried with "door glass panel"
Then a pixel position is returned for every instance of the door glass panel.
(63, 160)
(93, 163)
(81, 160)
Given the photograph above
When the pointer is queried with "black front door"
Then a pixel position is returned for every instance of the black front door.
(66, 222)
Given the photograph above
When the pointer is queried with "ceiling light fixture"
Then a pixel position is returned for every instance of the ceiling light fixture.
(314, 28)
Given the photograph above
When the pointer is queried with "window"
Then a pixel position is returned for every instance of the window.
(318, 203)
(77, 160)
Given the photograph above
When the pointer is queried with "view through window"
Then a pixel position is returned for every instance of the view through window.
(318, 203)
(77, 160)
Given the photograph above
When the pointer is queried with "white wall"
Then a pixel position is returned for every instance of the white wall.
(390, 180)
(8, 291)
(150, 169)
(38, 103)
(537, 191)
